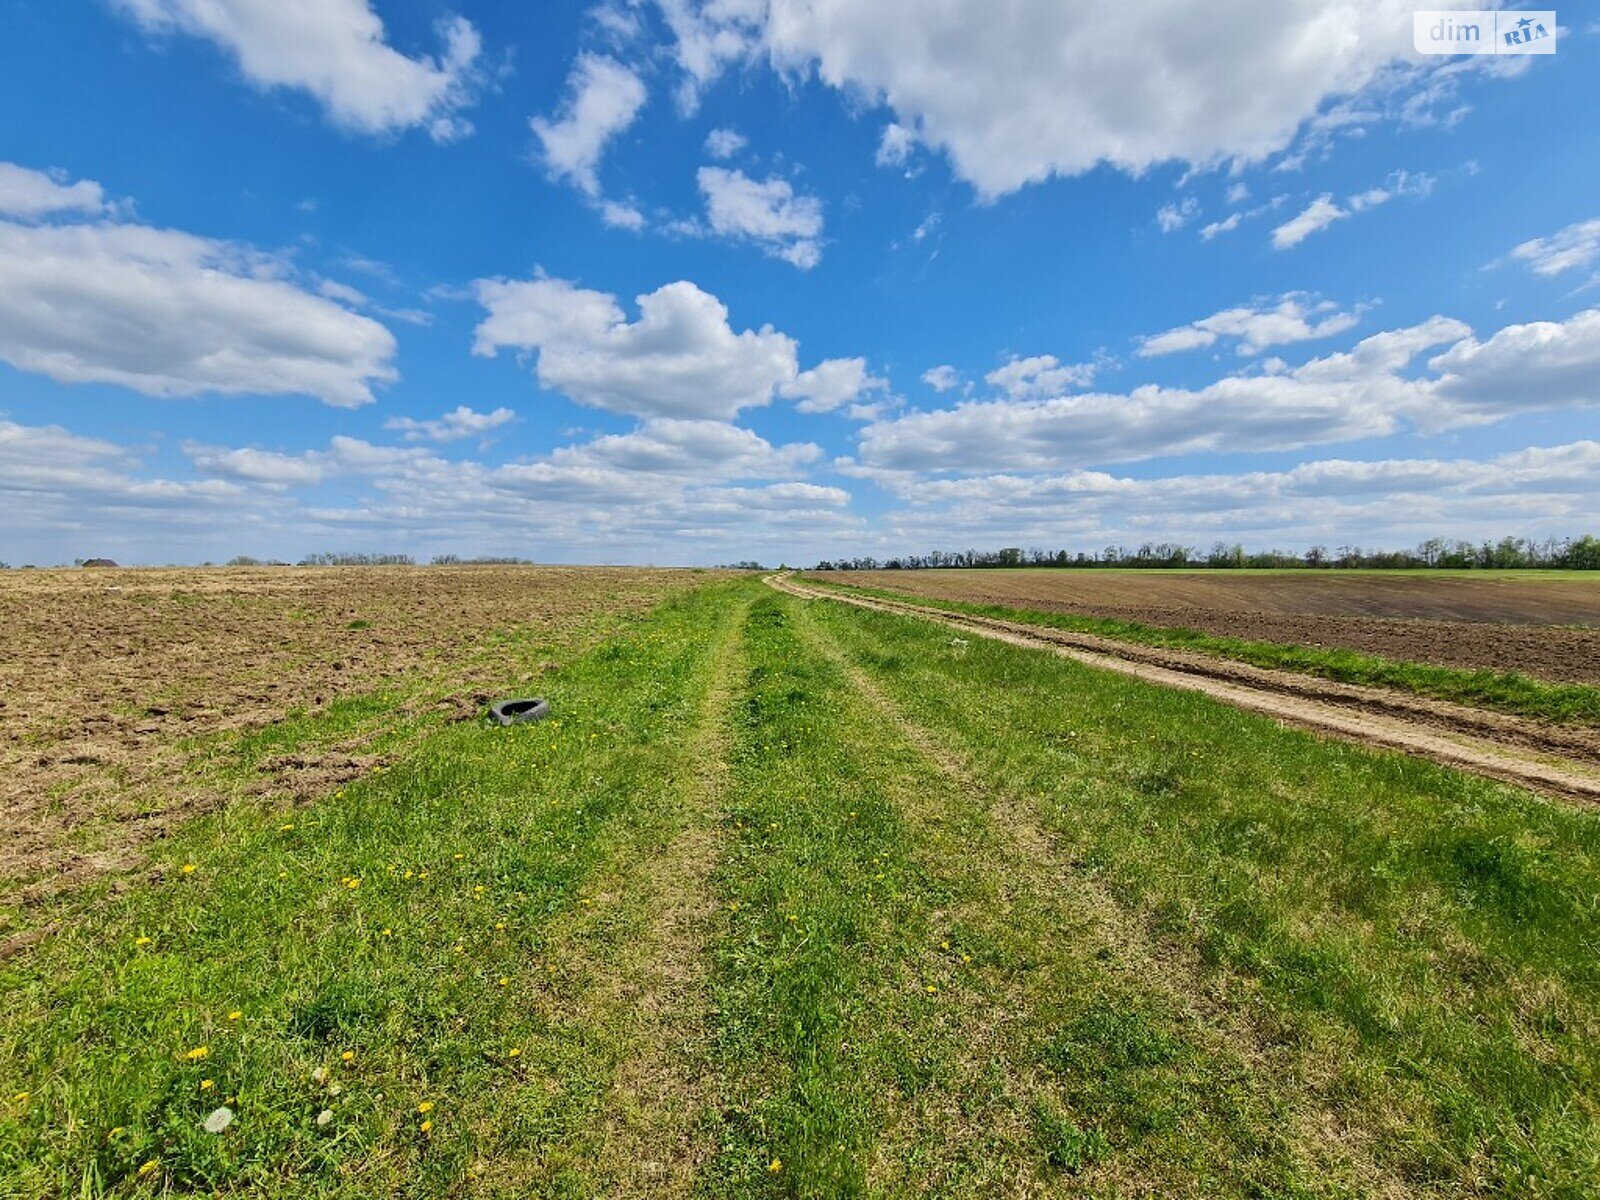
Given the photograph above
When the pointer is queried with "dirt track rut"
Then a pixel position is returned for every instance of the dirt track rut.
(1557, 761)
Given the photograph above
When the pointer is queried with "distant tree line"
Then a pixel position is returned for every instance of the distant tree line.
(481, 560)
(357, 560)
(405, 560)
(1567, 554)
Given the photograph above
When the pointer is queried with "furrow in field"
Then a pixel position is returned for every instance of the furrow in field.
(1501, 747)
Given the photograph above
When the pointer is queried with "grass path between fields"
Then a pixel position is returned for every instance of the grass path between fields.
(796, 899)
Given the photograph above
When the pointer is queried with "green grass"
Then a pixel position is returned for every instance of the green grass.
(1411, 949)
(1503, 691)
(379, 923)
(962, 920)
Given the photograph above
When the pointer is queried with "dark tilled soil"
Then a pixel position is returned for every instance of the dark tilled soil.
(1548, 629)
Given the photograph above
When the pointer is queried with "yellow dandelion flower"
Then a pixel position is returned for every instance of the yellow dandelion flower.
(514, 1052)
(932, 990)
(966, 958)
(775, 1166)
(427, 1127)
(207, 1084)
(189, 868)
(504, 980)
(354, 883)
(20, 1097)
(142, 941)
(422, 874)
(944, 945)
(478, 891)
(425, 1107)
(499, 924)
(148, 1168)
(286, 826)
(197, 1053)
(116, 1132)
(459, 857)
(235, 1015)
(283, 874)
(410, 874)
(388, 933)
(348, 1056)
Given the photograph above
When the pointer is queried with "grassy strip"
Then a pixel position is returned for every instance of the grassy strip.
(823, 909)
(1414, 947)
(891, 984)
(1503, 691)
(1069, 1053)
(398, 957)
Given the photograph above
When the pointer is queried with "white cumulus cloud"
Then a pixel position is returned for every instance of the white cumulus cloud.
(766, 212)
(1577, 245)
(603, 98)
(1175, 214)
(1314, 218)
(831, 384)
(1294, 317)
(1367, 391)
(1324, 210)
(460, 422)
(337, 51)
(725, 143)
(31, 194)
(1356, 394)
(1540, 491)
(681, 358)
(1016, 91)
(895, 144)
(1041, 375)
(167, 313)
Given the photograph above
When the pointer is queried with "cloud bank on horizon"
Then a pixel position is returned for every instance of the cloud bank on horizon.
(704, 280)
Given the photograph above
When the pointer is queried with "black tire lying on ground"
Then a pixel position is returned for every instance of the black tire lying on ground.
(515, 712)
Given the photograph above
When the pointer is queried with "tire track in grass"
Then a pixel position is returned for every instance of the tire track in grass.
(652, 1136)
(1070, 980)
(828, 990)
(627, 968)
(901, 1011)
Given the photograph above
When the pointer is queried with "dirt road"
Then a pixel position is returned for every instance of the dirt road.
(1551, 759)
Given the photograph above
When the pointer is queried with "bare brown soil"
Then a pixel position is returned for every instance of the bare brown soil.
(106, 677)
(1548, 628)
(1559, 761)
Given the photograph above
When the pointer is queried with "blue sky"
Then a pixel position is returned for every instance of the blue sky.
(687, 282)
